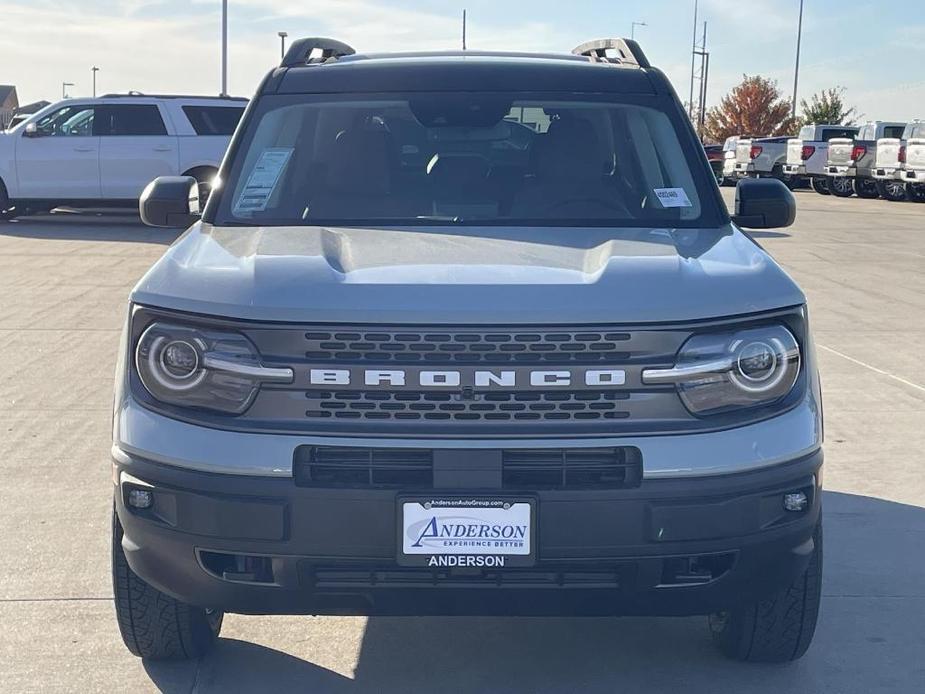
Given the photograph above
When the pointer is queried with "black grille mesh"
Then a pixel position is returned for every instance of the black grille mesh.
(465, 347)
(496, 406)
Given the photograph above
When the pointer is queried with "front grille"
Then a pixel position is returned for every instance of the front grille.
(521, 469)
(465, 346)
(572, 468)
(347, 405)
(521, 406)
(320, 466)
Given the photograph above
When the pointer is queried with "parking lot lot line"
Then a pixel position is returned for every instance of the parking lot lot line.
(873, 368)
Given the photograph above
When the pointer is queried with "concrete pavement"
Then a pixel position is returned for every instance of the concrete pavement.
(63, 284)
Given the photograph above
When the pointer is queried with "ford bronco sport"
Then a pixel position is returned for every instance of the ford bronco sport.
(467, 333)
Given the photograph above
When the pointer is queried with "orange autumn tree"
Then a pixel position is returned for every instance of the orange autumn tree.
(754, 107)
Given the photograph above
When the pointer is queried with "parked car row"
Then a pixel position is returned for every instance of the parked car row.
(878, 159)
(103, 151)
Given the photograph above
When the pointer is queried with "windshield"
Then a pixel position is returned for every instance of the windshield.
(443, 158)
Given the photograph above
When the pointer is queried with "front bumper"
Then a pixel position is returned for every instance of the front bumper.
(333, 551)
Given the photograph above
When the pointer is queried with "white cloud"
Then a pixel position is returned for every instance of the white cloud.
(139, 45)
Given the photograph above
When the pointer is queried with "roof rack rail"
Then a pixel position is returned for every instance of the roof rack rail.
(130, 94)
(627, 51)
(303, 52)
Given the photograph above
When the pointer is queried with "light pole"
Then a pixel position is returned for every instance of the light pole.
(690, 101)
(282, 43)
(224, 48)
(94, 70)
(796, 71)
(464, 30)
(64, 86)
(633, 29)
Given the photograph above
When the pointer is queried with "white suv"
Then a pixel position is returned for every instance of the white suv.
(104, 151)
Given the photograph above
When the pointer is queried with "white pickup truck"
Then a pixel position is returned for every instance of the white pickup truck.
(808, 153)
(102, 152)
(851, 163)
(913, 156)
(888, 165)
(729, 160)
(762, 157)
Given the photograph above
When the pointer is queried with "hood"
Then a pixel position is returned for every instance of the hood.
(466, 275)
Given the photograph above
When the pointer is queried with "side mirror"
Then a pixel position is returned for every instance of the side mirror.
(170, 201)
(764, 203)
(31, 130)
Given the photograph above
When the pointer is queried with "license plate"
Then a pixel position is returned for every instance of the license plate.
(471, 532)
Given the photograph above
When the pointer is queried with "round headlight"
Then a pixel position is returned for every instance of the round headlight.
(759, 365)
(180, 359)
(175, 364)
(718, 372)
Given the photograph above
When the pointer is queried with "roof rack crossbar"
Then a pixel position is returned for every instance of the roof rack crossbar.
(315, 50)
(627, 51)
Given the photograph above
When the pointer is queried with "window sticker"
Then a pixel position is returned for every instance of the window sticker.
(262, 181)
(672, 197)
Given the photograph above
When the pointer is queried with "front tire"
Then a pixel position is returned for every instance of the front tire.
(892, 190)
(820, 186)
(7, 210)
(155, 625)
(779, 628)
(841, 186)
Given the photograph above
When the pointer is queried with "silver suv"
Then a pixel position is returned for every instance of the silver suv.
(467, 333)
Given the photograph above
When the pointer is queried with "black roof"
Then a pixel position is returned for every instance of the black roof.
(328, 66)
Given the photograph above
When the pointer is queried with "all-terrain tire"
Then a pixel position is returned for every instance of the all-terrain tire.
(866, 188)
(840, 186)
(916, 192)
(7, 212)
(892, 190)
(779, 628)
(820, 186)
(155, 625)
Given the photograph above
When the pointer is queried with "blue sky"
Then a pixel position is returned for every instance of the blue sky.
(173, 45)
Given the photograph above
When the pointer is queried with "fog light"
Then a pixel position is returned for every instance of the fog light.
(140, 498)
(796, 501)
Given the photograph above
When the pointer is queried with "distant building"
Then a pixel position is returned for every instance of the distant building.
(23, 112)
(9, 102)
(29, 109)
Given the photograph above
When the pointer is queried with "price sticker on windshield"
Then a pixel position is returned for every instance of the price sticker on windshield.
(262, 181)
(673, 197)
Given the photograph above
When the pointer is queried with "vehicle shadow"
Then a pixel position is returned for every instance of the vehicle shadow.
(117, 226)
(869, 638)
